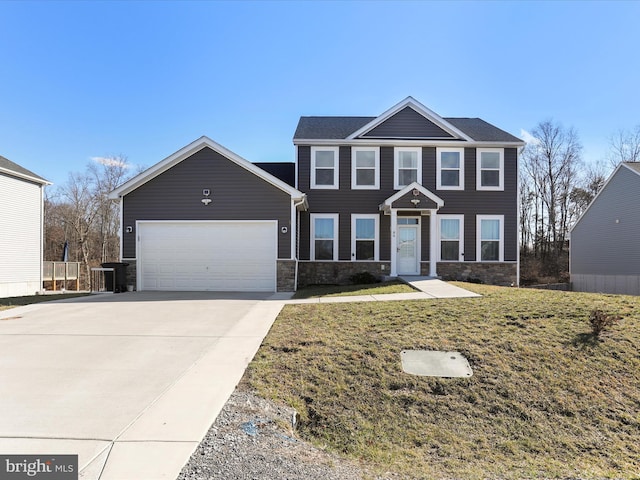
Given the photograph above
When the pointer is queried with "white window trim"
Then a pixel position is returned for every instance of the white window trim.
(336, 226)
(460, 219)
(336, 165)
(354, 169)
(479, 219)
(479, 186)
(439, 185)
(376, 240)
(396, 151)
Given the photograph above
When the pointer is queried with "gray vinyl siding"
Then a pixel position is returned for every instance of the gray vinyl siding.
(236, 194)
(599, 245)
(407, 123)
(469, 202)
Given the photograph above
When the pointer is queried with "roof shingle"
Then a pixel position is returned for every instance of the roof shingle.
(12, 167)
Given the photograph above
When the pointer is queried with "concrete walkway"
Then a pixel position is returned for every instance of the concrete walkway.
(427, 288)
(131, 382)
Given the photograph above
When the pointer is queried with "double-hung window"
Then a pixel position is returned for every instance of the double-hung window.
(490, 169)
(490, 238)
(407, 166)
(450, 168)
(324, 167)
(365, 168)
(324, 236)
(451, 228)
(364, 237)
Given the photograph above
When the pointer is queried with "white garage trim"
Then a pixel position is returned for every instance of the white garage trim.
(207, 255)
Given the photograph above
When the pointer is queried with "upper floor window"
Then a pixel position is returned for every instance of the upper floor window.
(407, 166)
(364, 237)
(324, 236)
(324, 167)
(450, 169)
(490, 238)
(365, 168)
(489, 169)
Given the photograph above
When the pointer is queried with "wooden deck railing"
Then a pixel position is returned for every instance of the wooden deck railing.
(61, 271)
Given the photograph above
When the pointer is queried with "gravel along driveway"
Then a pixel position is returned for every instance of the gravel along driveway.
(252, 439)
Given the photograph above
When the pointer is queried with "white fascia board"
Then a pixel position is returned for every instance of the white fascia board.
(419, 108)
(415, 185)
(189, 150)
(406, 143)
(22, 176)
(598, 194)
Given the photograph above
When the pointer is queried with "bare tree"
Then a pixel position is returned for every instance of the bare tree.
(81, 211)
(625, 146)
(551, 171)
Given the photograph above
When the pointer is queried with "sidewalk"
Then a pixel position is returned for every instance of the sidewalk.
(428, 288)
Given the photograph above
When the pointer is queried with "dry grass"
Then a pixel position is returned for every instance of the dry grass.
(316, 291)
(11, 302)
(547, 398)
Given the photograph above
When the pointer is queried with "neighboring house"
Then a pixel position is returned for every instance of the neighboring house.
(21, 230)
(604, 247)
(404, 193)
(407, 193)
(206, 219)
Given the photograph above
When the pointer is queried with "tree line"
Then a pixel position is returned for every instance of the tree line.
(80, 214)
(555, 188)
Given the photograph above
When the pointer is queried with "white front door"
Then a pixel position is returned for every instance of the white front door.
(407, 247)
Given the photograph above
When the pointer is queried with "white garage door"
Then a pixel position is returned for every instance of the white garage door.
(207, 256)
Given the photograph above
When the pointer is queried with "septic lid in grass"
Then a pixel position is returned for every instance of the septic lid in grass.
(435, 364)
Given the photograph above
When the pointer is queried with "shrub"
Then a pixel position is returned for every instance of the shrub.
(363, 278)
(601, 321)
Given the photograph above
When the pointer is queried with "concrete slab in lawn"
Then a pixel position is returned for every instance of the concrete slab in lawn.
(435, 364)
(129, 382)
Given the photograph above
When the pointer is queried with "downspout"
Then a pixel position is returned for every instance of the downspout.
(296, 239)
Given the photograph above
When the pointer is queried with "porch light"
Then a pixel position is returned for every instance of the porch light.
(415, 202)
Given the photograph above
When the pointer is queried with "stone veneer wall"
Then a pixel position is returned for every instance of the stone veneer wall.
(337, 273)
(505, 274)
(286, 275)
(131, 273)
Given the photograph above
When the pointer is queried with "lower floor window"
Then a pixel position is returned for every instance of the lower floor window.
(490, 233)
(324, 236)
(364, 233)
(451, 237)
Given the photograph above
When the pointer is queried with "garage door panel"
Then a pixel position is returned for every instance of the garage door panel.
(216, 256)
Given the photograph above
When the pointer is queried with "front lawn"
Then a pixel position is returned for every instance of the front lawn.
(11, 302)
(546, 399)
(315, 291)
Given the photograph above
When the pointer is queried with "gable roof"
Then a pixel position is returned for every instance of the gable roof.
(285, 171)
(472, 130)
(15, 170)
(186, 152)
(388, 203)
(632, 166)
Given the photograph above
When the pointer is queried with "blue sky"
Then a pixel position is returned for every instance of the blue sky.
(142, 79)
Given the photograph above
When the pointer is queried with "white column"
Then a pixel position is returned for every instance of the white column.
(433, 243)
(394, 243)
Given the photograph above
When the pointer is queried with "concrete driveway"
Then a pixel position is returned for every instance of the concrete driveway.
(129, 382)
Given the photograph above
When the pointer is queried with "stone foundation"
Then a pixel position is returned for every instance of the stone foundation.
(131, 273)
(286, 275)
(505, 274)
(337, 273)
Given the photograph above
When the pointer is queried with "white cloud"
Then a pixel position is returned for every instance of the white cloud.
(111, 161)
(527, 137)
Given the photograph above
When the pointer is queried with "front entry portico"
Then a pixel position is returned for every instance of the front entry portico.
(408, 208)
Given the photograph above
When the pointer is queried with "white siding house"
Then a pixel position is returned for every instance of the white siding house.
(605, 241)
(21, 230)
